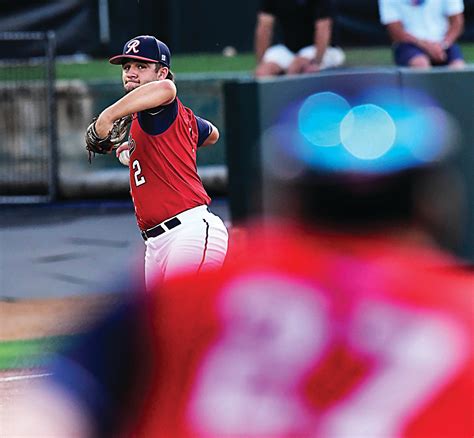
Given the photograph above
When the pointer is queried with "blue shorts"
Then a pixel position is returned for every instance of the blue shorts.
(403, 52)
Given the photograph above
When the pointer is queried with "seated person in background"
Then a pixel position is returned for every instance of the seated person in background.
(306, 28)
(424, 32)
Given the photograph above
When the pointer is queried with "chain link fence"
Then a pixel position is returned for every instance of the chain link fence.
(28, 119)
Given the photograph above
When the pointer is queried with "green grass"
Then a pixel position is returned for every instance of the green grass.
(29, 353)
(203, 63)
(243, 62)
(198, 63)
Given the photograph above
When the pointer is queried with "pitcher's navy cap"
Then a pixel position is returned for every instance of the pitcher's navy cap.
(145, 48)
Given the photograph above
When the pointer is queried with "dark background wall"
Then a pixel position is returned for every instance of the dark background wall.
(188, 26)
(75, 22)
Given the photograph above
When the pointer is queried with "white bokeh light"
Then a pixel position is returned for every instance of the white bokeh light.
(367, 132)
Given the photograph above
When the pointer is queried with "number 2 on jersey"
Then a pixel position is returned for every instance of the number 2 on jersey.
(139, 179)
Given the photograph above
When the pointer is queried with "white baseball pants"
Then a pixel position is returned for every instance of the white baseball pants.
(283, 56)
(199, 242)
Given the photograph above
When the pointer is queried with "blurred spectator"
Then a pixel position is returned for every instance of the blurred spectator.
(306, 29)
(424, 32)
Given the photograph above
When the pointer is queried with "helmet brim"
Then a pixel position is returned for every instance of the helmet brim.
(121, 59)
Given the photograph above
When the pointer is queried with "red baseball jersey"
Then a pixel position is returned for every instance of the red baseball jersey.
(316, 336)
(163, 171)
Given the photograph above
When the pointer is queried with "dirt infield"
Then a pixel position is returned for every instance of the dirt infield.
(31, 318)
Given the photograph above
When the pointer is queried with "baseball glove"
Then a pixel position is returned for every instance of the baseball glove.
(116, 136)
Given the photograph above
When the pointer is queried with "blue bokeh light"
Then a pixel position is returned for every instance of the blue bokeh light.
(320, 116)
(386, 130)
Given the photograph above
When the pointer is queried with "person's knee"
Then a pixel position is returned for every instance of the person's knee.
(334, 57)
(298, 66)
(267, 69)
(420, 61)
(457, 64)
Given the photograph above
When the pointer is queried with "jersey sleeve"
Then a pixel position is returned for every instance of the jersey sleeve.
(204, 130)
(389, 11)
(453, 7)
(157, 120)
(93, 371)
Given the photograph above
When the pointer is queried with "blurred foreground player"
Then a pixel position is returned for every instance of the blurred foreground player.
(338, 317)
(357, 326)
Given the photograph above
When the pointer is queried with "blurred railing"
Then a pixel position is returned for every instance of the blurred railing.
(28, 147)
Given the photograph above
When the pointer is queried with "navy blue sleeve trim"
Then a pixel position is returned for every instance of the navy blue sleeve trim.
(157, 120)
(204, 130)
(109, 367)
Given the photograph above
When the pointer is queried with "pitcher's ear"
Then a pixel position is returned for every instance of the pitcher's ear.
(163, 72)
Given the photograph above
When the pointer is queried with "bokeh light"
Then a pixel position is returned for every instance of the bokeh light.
(320, 117)
(441, 137)
(425, 132)
(281, 152)
(367, 131)
(385, 129)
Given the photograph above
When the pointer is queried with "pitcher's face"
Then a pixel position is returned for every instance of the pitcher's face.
(137, 73)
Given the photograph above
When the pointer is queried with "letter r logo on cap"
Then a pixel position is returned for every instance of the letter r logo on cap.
(132, 46)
